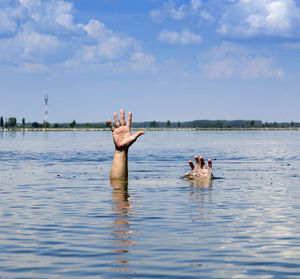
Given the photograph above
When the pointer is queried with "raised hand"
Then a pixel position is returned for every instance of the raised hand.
(123, 139)
(122, 136)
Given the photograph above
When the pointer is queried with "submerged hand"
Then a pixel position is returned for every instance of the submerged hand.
(122, 136)
(199, 170)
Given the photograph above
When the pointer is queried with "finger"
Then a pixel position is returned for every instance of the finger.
(209, 164)
(116, 120)
(210, 169)
(110, 125)
(202, 163)
(191, 165)
(129, 120)
(137, 134)
(197, 160)
(122, 117)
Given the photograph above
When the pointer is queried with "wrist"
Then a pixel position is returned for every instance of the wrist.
(122, 150)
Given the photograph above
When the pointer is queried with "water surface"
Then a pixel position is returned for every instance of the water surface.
(60, 217)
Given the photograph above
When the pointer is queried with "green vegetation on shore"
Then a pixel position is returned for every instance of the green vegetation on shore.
(11, 123)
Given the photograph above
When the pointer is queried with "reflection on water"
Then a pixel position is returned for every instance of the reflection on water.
(201, 182)
(122, 231)
(60, 217)
(201, 194)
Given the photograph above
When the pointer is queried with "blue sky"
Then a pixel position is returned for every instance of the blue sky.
(161, 59)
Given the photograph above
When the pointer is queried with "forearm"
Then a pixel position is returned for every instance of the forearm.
(119, 169)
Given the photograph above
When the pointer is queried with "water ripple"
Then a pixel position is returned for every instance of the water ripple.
(61, 218)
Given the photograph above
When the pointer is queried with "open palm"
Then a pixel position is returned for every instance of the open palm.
(123, 138)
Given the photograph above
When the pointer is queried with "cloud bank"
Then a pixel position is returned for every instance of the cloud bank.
(35, 35)
(236, 18)
(233, 61)
(246, 18)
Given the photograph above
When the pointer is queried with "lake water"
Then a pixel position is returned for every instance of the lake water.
(60, 217)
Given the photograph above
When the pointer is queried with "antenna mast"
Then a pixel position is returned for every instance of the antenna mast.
(46, 108)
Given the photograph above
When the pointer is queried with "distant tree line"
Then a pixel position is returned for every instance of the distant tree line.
(216, 124)
(11, 122)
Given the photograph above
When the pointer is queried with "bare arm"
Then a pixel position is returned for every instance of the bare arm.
(123, 139)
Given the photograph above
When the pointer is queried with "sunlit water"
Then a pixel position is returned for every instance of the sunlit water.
(60, 217)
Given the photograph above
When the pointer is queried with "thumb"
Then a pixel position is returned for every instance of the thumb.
(137, 134)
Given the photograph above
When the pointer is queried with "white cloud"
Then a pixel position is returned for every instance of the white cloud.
(236, 18)
(108, 44)
(179, 13)
(170, 37)
(28, 46)
(142, 62)
(63, 14)
(114, 47)
(37, 34)
(111, 50)
(230, 60)
(246, 18)
(35, 43)
(50, 14)
(259, 67)
(30, 4)
(196, 4)
(170, 10)
(96, 30)
(185, 37)
(207, 16)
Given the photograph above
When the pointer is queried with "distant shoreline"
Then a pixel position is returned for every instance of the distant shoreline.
(148, 129)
